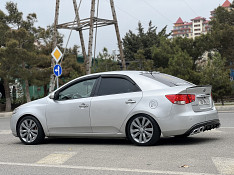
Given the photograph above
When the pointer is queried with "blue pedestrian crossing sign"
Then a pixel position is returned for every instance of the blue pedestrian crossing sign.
(57, 70)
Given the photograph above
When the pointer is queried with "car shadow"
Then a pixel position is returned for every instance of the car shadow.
(88, 141)
(168, 141)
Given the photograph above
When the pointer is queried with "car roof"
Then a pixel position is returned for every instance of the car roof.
(123, 72)
(143, 82)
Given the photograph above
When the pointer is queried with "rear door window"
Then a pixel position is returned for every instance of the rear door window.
(115, 85)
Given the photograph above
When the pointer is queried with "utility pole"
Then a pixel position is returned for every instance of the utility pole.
(52, 77)
(80, 33)
(90, 48)
(118, 35)
(88, 24)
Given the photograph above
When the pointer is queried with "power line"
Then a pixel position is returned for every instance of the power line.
(126, 12)
(156, 10)
(190, 8)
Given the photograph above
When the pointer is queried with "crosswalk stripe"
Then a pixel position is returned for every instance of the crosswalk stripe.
(224, 165)
(56, 158)
(5, 132)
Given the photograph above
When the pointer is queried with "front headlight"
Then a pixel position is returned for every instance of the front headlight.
(15, 111)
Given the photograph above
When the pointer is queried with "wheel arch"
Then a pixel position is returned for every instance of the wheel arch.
(28, 115)
(138, 114)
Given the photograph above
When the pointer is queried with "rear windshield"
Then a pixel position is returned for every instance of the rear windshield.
(167, 79)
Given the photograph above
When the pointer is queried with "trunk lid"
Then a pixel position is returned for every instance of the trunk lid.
(203, 101)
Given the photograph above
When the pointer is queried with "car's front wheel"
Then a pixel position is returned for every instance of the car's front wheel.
(30, 131)
(143, 130)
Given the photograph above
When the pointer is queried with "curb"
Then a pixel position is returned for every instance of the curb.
(5, 114)
(225, 108)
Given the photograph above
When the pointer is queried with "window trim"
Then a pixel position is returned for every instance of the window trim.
(97, 77)
(114, 76)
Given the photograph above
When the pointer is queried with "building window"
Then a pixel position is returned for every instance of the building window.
(196, 29)
(198, 25)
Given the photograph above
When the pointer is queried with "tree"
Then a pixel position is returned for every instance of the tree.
(143, 40)
(3, 29)
(141, 63)
(44, 40)
(162, 53)
(180, 65)
(105, 62)
(215, 74)
(222, 32)
(22, 31)
(19, 54)
(71, 68)
(4, 64)
(40, 71)
(9, 67)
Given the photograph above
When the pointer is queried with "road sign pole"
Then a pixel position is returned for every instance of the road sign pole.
(57, 72)
(57, 83)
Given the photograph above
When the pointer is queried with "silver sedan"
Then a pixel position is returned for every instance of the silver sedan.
(141, 106)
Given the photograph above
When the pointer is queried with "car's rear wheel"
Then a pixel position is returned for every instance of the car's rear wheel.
(30, 131)
(143, 130)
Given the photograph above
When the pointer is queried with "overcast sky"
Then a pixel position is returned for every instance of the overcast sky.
(129, 12)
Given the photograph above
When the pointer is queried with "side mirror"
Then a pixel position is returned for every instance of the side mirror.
(51, 96)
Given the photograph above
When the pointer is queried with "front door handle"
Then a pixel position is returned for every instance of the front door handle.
(130, 101)
(83, 105)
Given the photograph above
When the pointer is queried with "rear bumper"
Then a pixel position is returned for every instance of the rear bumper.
(204, 126)
(182, 120)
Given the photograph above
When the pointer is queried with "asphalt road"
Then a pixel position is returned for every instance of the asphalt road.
(211, 152)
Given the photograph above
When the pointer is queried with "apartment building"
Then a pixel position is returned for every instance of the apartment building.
(196, 26)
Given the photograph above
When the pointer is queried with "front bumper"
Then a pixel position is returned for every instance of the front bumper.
(13, 122)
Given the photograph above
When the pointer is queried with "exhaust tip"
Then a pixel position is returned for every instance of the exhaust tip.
(202, 129)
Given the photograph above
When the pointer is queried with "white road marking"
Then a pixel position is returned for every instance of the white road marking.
(224, 165)
(56, 158)
(5, 132)
(215, 131)
(103, 169)
(227, 128)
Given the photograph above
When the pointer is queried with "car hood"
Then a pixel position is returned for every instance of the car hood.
(41, 101)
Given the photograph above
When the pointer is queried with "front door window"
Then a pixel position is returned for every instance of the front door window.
(79, 90)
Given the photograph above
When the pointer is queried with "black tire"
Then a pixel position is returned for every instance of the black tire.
(144, 132)
(31, 134)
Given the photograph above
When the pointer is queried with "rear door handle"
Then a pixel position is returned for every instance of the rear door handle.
(130, 101)
(83, 105)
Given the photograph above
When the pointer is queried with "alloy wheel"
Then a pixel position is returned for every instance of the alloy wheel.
(141, 130)
(28, 130)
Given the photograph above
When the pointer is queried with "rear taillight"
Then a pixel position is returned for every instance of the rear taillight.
(181, 99)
